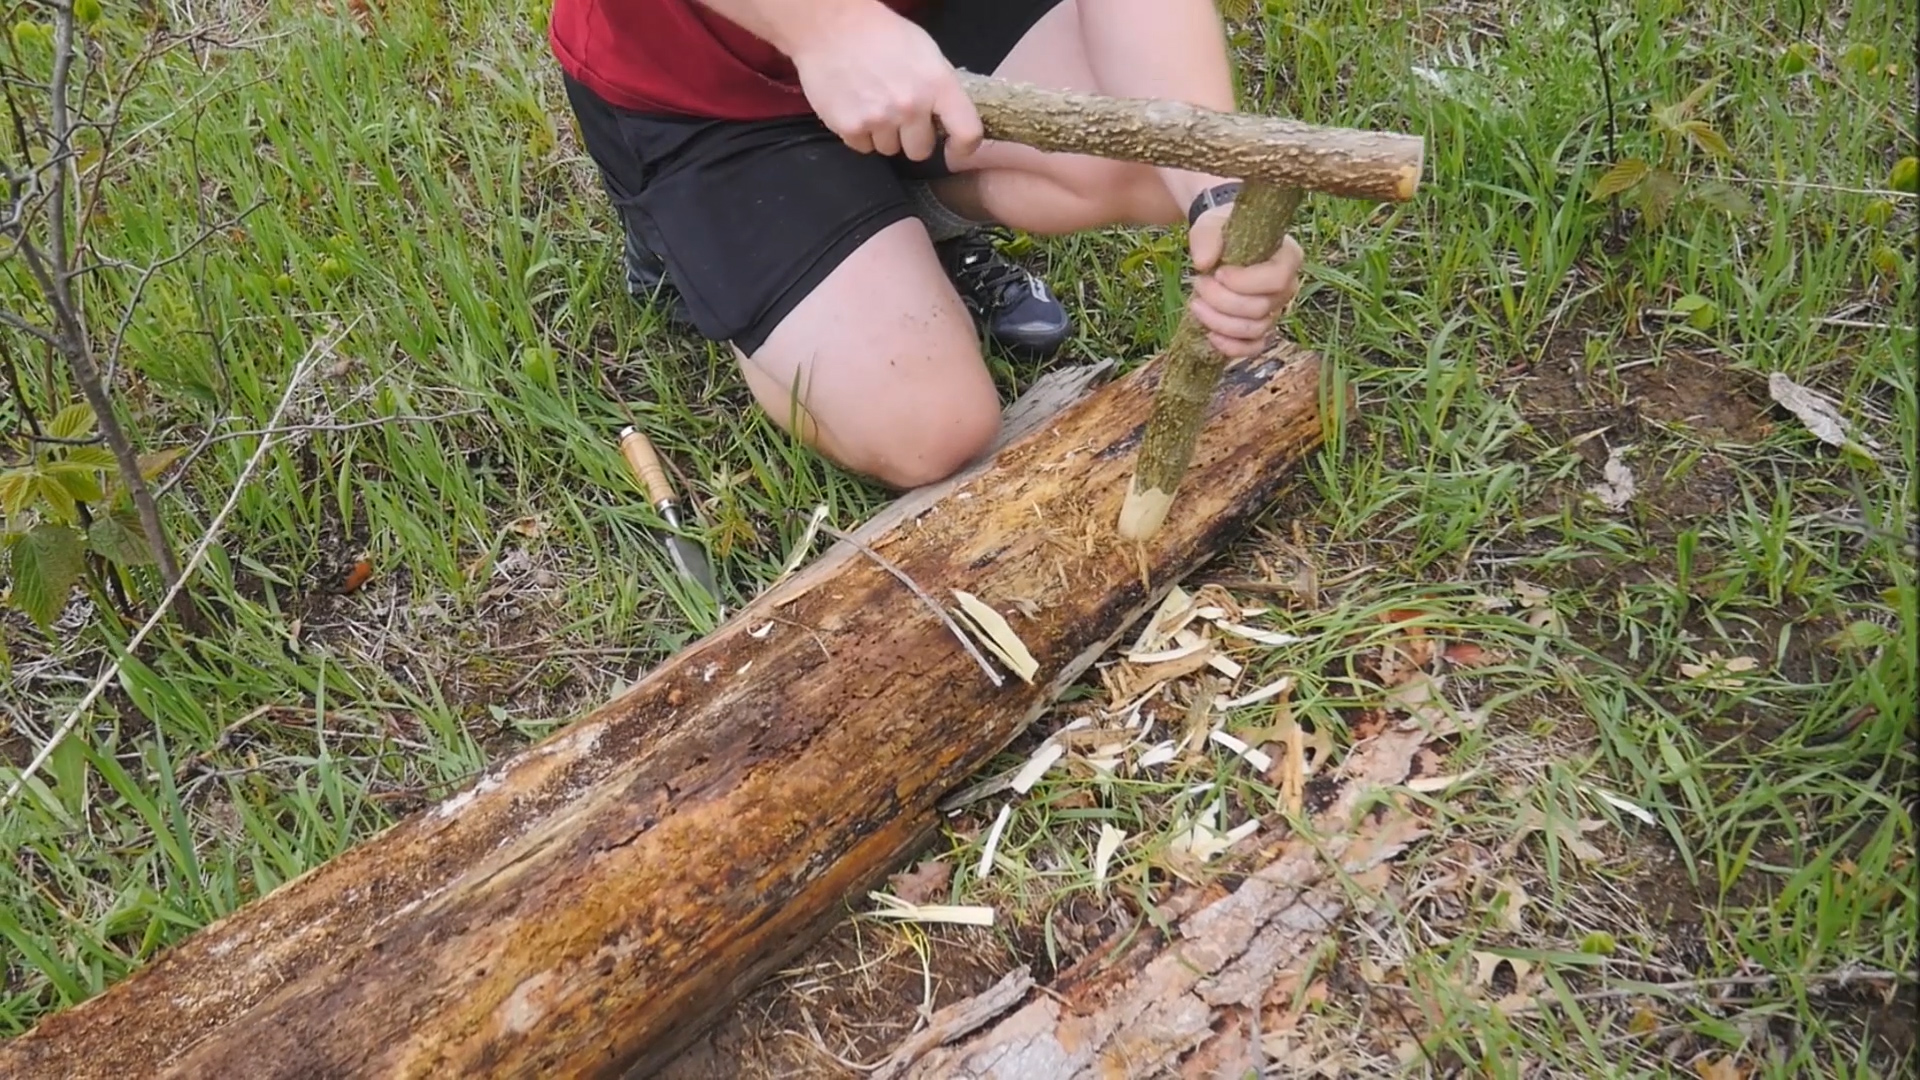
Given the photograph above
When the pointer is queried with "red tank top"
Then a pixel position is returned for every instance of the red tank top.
(678, 57)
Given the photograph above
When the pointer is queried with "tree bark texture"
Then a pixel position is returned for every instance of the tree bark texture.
(1256, 225)
(1189, 1002)
(593, 903)
(1346, 162)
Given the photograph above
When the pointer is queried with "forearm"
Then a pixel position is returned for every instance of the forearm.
(1170, 49)
(788, 25)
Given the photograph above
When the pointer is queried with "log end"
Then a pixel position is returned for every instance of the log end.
(1144, 512)
(1408, 180)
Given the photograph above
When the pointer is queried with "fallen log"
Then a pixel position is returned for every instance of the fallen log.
(1195, 999)
(590, 905)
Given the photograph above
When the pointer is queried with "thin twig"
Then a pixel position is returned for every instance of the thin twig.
(879, 559)
(352, 425)
(300, 372)
(140, 284)
(19, 391)
(1862, 324)
(1840, 977)
(206, 442)
(44, 336)
(1606, 85)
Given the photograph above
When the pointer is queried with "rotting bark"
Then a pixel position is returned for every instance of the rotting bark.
(590, 905)
(1256, 225)
(1190, 1004)
(1173, 134)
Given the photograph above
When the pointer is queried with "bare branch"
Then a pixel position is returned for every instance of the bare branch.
(140, 286)
(294, 381)
(19, 390)
(62, 147)
(39, 333)
(71, 344)
(209, 440)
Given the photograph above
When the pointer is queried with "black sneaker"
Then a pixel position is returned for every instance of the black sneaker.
(1012, 304)
(647, 282)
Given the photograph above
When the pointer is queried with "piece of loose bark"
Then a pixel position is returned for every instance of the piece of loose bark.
(1188, 1006)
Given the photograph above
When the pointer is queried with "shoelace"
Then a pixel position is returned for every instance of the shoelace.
(983, 271)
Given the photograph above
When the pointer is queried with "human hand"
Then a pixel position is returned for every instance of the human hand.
(1237, 305)
(877, 80)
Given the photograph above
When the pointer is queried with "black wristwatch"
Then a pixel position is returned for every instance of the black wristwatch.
(1217, 195)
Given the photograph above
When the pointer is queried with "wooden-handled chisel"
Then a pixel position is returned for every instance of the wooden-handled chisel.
(687, 557)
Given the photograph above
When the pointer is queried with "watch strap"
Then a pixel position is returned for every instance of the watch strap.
(1217, 195)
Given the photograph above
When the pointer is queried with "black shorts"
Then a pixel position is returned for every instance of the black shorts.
(750, 217)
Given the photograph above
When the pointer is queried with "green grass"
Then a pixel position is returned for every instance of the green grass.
(420, 194)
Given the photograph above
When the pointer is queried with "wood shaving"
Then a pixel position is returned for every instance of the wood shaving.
(992, 846)
(1253, 697)
(1256, 758)
(998, 635)
(1036, 767)
(1255, 634)
(892, 907)
(1110, 840)
(922, 883)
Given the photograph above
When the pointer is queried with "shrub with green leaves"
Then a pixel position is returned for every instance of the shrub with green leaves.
(68, 517)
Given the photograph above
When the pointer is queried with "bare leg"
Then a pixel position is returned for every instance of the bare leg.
(879, 368)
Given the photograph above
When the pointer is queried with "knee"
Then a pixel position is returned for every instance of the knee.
(1122, 192)
(928, 448)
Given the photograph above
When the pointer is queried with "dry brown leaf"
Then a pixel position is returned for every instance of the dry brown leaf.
(923, 883)
(1720, 674)
(1416, 691)
(1466, 654)
(1532, 820)
(1538, 605)
(1511, 898)
(1617, 487)
(1725, 1068)
(532, 527)
(1403, 658)
(1421, 701)
(1821, 415)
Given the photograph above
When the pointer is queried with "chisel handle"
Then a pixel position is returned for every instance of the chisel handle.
(645, 463)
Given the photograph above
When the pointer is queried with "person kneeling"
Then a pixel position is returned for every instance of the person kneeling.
(807, 181)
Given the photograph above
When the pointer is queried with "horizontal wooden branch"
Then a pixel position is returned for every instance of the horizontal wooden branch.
(1374, 165)
(588, 906)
